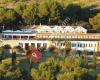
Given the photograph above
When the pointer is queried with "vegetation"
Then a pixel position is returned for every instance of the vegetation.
(57, 67)
(7, 46)
(8, 72)
(1, 54)
(14, 14)
(95, 22)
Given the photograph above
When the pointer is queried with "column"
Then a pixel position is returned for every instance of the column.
(23, 45)
(28, 38)
(20, 37)
(35, 45)
(41, 44)
(48, 44)
(29, 44)
(12, 37)
(3, 36)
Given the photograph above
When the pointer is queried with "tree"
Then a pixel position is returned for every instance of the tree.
(73, 53)
(1, 54)
(11, 15)
(65, 3)
(98, 76)
(13, 74)
(72, 11)
(83, 24)
(94, 59)
(19, 49)
(13, 58)
(20, 8)
(67, 45)
(11, 18)
(84, 55)
(8, 72)
(59, 69)
(95, 22)
(30, 14)
(65, 76)
(7, 46)
(44, 11)
(35, 74)
(8, 17)
(2, 16)
(54, 11)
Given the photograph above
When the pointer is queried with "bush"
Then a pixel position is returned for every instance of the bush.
(98, 76)
(56, 69)
(7, 46)
(19, 48)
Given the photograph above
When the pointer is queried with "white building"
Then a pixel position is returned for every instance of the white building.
(57, 29)
(44, 29)
(69, 29)
(42, 36)
(80, 29)
(62, 29)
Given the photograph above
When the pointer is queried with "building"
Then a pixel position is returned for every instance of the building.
(43, 35)
(60, 29)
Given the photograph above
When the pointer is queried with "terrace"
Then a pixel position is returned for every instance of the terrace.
(25, 34)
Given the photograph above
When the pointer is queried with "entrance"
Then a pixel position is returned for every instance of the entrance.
(33, 45)
(38, 45)
(26, 46)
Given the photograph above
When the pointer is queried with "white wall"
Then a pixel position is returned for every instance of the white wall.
(89, 48)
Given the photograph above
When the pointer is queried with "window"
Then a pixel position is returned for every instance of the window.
(95, 45)
(61, 44)
(33, 44)
(26, 46)
(38, 45)
(89, 45)
(80, 45)
(85, 45)
(73, 45)
(21, 44)
(45, 45)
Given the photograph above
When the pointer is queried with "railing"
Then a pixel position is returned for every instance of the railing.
(70, 36)
(48, 36)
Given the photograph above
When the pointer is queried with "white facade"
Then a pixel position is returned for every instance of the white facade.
(42, 36)
(68, 29)
(19, 34)
(90, 46)
(85, 45)
(57, 29)
(62, 29)
(80, 29)
(44, 29)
